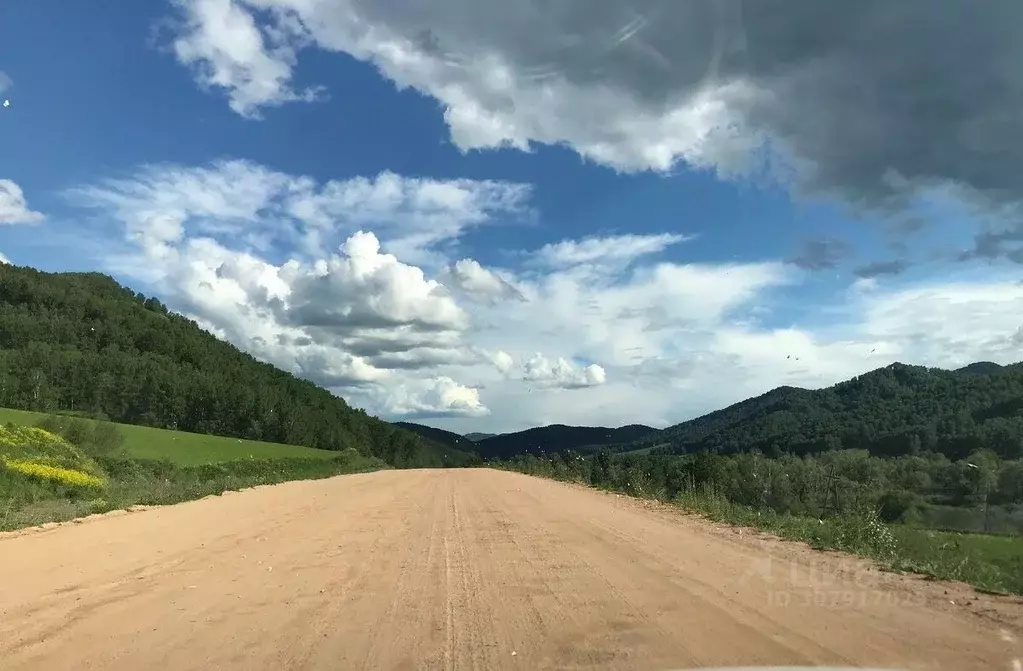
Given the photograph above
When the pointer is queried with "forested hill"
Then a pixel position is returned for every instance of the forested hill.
(80, 341)
(893, 410)
(558, 438)
(439, 436)
(477, 436)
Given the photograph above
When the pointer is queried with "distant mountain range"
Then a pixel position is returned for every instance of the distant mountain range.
(888, 411)
(479, 436)
(891, 410)
(446, 438)
(539, 440)
(82, 341)
(560, 438)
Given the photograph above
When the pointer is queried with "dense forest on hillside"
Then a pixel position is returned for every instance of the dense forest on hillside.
(539, 440)
(477, 436)
(438, 436)
(558, 438)
(81, 342)
(892, 411)
(895, 410)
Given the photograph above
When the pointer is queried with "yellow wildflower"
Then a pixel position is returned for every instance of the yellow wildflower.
(65, 476)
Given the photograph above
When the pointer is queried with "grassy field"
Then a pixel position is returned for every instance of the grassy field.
(77, 467)
(987, 561)
(187, 449)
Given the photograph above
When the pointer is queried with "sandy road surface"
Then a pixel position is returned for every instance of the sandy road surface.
(461, 569)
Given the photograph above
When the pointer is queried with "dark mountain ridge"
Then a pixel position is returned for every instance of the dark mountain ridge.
(892, 410)
(439, 436)
(477, 436)
(559, 438)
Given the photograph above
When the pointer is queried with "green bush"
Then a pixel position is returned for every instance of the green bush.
(94, 437)
(106, 437)
(899, 506)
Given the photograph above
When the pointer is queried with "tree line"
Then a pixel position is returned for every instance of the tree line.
(914, 489)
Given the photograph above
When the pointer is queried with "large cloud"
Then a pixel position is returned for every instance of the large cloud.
(270, 262)
(481, 283)
(562, 373)
(870, 101)
(268, 210)
(225, 48)
(335, 308)
(576, 331)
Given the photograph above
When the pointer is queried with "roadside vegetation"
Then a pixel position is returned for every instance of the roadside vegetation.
(842, 500)
(179, 447)
(63, 467)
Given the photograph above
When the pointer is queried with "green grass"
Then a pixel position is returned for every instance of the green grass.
(993, 563)
(144, 482)
(989, 562)
(1004, 519)
(187, 449)
(158, 467)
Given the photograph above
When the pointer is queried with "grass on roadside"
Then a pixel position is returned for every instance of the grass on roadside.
(133, 482)
(183, 448)
(991, 563)
(68, 467)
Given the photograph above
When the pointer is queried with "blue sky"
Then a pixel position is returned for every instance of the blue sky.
(557, 221)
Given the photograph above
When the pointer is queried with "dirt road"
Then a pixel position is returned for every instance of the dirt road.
(463, 569)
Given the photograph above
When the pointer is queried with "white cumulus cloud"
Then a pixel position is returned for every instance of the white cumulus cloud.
(339, 309)
(562, 373)
(773, 90)
(648, 84)
(13, 206)
(437, 397)
(479, 282)
(656, 340)
(224, 47)
(613, 249)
